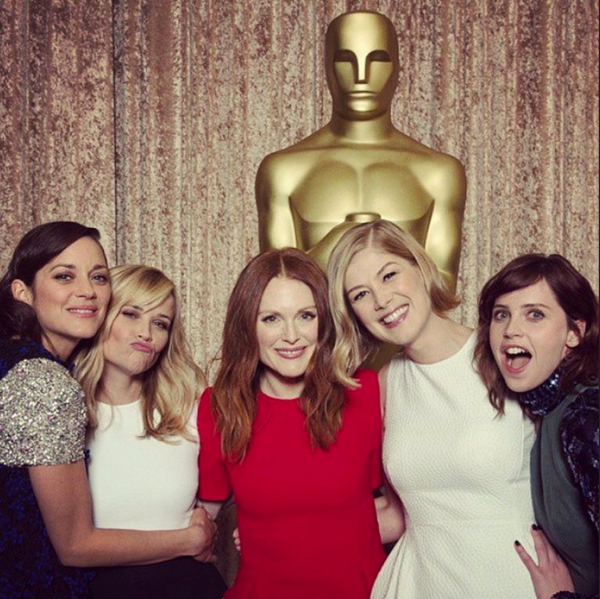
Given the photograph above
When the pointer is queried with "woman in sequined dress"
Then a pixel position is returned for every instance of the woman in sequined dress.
(53, 295)
(142, 387)
(538, 342)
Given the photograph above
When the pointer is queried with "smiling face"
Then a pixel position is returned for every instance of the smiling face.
(529, 336)
(137, 337)
(361, 65)
(287, 334)
(69, 295)
(388, 296)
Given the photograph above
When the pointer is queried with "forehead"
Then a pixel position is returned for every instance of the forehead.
(361, 33)
(537, 293)
(282, 292)
(149, 306)
(366, 263)
(83, 252)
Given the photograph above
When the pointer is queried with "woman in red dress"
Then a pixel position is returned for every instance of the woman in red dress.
(300, 453)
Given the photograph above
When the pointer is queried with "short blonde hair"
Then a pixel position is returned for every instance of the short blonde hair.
(174, 383)
(354, 344)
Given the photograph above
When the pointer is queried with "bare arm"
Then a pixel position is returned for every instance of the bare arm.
(390, 515)
(275, 219)
(446, 182)
(62, 492)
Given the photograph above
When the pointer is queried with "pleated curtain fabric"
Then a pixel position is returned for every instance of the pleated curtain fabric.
(148, 119)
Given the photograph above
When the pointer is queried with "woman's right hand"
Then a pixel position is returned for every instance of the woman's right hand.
(203, 535)
(550, 575)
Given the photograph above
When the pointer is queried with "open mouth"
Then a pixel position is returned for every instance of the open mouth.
(395, 317)
(517, 358)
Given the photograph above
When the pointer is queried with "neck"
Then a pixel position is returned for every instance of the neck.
(119, 388)
(281, 387)
(427, 349)
(59, 348)
(375, 130)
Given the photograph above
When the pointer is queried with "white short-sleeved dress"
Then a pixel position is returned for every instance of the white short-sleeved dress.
(462, 473)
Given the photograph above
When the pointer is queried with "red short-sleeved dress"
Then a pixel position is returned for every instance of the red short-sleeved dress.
(306, 517)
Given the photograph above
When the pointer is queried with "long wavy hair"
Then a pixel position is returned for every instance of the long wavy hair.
(174, 383)
(238, 378)
(575, 296)
(354, 343)
(36, 248)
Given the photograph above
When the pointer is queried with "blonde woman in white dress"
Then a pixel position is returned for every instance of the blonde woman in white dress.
(459, 468)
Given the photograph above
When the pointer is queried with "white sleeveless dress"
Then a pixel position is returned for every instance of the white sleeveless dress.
(462, 473)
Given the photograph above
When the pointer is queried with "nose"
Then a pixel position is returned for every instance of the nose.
(145, 331)
(85, 288)
(362, 70)
(511, 328)
(381, 298)
(290, 332)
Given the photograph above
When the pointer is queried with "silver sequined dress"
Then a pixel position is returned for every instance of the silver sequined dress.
(42, 423)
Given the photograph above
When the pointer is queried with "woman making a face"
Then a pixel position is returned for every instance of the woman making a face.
(142, 387)
(538, 342)
(300, 453)
(54, 295)
(458, 464)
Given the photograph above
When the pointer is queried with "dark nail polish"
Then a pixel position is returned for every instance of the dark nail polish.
(535, 527)
(517, 543)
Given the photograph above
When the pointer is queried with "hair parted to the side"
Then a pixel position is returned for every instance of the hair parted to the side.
(575, 296)
(36, 248)
(354, 344)
(174, 383)
(238, 378)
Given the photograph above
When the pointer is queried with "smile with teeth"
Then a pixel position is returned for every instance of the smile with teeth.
(517, 358)
(82, 311)
(395, 315)
(291, 353)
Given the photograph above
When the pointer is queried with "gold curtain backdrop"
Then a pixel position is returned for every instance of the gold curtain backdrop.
(149, 118)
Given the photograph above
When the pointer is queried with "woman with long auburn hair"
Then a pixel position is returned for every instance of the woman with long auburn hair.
(538, 343)
(299, 451)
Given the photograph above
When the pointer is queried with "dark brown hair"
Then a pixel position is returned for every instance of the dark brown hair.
(34, 251)
(237, 382)
(575, 296)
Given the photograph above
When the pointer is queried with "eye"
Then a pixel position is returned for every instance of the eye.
(161, 324)
(499, 315)
(269, 318)
(101, 278)
(308, 315)
(389, 275)
(63, 276)
(358, 296)
(379, 56)
(535, 314)
(129, 313)
(344, 56)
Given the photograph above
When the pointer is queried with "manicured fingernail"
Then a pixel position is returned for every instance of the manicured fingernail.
(535, 527)
(517, 543)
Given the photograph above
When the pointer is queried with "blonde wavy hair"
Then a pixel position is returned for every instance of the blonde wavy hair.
(173, 384)
(354, 344)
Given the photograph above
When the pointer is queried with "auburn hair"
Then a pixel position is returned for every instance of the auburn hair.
(234, 393)
(575, 296)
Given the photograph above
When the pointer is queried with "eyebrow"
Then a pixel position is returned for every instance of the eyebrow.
(141, 309)
(532, 305)
(376, 274)
(74, 267)
(311, 307)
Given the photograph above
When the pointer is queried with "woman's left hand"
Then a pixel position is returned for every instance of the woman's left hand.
(550, 575)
